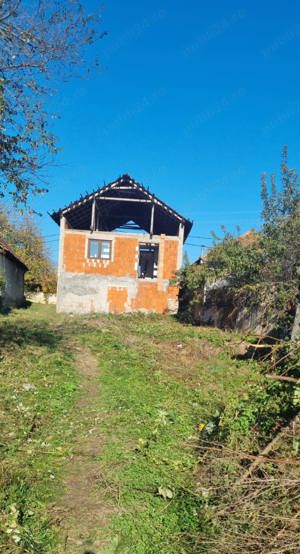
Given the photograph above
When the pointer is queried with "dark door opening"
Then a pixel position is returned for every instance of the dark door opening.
(148, 261)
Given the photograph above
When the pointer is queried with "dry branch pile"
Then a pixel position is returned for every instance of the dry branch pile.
(253, 497)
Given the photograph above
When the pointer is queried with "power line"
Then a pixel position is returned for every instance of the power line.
(200, 237)
(198, 245)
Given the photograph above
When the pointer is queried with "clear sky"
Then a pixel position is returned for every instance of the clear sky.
(195, 99)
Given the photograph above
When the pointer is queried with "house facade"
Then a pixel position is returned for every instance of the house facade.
(120, 247)
(12, 271)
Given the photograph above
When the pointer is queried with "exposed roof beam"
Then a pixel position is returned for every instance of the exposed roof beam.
(166, 218)
(117, 199)
(152, 220)
(93, 218)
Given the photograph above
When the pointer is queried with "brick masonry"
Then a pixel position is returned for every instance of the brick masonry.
(112, 286)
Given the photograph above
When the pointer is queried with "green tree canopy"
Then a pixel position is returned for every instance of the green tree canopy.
(270, 258)
(29, 245)
(41, 44)
(280, 233)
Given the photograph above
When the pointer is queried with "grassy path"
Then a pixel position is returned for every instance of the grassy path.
(105, 411)
(81, 510)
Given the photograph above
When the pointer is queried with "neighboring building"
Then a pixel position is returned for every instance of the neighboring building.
(13, 271)
(119, 249)
(249, 238)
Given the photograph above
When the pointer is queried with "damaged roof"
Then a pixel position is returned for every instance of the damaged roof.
(118, 203)
(8, 252)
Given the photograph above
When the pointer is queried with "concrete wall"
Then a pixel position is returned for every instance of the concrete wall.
(14, 282)
(112, 286)
(41, 297)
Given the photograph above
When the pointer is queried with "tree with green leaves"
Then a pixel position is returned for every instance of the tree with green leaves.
(280, 234)
(41, 45)
(28, 244)
(266, 267)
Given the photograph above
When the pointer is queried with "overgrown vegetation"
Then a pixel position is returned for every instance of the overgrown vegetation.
(250, 463)
(249, 452)
(260, 265)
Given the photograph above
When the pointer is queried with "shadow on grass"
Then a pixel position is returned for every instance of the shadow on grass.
(26, 332)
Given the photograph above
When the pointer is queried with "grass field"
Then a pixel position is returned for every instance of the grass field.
(100, 417)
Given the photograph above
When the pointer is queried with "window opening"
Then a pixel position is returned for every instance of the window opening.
(148, 261)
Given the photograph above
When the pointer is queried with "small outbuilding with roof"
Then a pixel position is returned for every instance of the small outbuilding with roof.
(12, 271)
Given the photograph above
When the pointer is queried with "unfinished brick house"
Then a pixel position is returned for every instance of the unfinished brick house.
(120, 246)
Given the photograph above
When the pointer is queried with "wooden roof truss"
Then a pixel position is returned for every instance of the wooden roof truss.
(114, 205)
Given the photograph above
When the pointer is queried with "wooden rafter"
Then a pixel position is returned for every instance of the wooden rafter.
(124, 191)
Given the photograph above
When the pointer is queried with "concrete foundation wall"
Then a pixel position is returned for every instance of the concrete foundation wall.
(112, 286)
(13, 294)
(81, 293)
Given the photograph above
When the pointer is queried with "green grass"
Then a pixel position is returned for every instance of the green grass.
(153, 400)
(160, 380)
(38, 387)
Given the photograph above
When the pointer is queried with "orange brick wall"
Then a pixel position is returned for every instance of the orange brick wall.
(117, 298)
(152, 296)
(122, 265)
(170, 258)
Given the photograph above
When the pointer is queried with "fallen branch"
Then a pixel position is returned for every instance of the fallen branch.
(261, 457)
(271, 346)
(282, 378)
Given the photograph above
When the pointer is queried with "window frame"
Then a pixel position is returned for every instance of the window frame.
(99, 256)
(155, 270)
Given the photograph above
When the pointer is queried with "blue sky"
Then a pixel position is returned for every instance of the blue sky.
(195, 99)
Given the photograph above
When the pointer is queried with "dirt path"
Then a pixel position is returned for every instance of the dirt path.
(82, 511)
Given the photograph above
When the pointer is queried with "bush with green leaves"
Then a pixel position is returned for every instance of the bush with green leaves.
(238, 263)
(257, 262)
